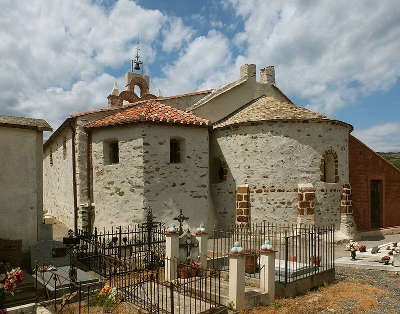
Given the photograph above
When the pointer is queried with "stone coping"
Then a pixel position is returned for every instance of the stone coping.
(171, 233)
(266, 251)
(197, 234)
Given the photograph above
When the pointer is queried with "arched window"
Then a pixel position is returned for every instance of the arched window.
(138, 90)
(220, 170)
(329, 167)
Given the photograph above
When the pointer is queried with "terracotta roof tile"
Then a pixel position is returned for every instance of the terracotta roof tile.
(151, 111)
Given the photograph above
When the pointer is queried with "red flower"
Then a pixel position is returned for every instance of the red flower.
(385, 258)
(3, 311)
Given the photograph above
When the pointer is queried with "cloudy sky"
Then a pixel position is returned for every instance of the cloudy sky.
(340, 58)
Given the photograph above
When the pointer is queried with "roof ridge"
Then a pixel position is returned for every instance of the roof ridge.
(151, 110)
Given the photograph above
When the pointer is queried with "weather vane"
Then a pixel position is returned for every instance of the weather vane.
(137, 61)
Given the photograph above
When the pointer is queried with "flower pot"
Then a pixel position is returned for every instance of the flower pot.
(251, 263)
(386, 262)
(362, 249)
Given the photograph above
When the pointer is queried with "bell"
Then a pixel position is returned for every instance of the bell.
(137, 66)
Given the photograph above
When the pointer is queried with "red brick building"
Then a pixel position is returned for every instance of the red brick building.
(375, 184)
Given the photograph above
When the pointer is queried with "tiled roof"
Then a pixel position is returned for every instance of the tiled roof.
(151, 111)
(20, 122)
(267, 108)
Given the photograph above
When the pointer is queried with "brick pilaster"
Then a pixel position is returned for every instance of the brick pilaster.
(242, 205)
(345, 203)
(305, 203)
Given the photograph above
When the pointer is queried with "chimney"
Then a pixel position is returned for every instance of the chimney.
(267, 75)
(248, 70)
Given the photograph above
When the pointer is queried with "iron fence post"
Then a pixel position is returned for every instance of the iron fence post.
(171, 287)
(286, 256)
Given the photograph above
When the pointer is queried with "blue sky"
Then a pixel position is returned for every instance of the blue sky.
(339, 58)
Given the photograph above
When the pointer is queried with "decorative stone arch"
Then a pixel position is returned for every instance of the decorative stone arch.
(139, 82)
(329, 167)
(129, 96)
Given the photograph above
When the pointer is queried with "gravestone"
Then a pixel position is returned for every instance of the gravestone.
(49, 252)
(188, 247)
(396, 260)
(375, 250)
(11, 251)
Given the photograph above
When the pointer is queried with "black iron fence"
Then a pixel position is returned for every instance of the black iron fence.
(301, 251)
(195, 290)
(138, 247)
(61, 295)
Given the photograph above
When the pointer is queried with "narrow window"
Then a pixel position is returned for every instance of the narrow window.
(329, 167)
(114, 153)
(111, 152)
(220, 170)
(175, 151)
(65, 147)
(51, 157)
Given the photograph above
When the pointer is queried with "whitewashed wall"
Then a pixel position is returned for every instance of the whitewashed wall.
(21, 184)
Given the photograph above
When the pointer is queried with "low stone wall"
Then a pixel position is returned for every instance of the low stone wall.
(300, 286)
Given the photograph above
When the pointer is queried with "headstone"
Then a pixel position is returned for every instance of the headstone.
(188, 247)
(11, 251)
(49, 252)
(396, 260)
(374, 250)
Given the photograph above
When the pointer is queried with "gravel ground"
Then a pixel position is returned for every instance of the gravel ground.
(389, 281)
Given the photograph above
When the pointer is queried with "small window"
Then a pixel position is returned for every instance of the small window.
(111, 152)
(175, 151)
(64, 147)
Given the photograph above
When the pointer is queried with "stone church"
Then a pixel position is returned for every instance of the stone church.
(241, 153)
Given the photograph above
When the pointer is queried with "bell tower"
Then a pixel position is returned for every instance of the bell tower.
(132, 79)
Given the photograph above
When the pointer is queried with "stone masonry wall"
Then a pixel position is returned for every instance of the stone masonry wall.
(118, 189)
(58, 195)
(172, 186)
(273, 158)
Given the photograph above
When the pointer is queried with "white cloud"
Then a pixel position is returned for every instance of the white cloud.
(321, 48)
(54, 53)
(382, 137)
(200, 65)
(175, 34)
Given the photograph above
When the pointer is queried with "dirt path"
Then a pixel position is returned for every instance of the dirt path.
(355, 291)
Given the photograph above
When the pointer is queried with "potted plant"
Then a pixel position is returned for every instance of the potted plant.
(362, 248)
(385, 259)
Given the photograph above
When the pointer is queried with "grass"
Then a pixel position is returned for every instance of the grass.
(342, 297)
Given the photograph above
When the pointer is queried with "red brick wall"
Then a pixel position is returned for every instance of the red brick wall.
(365, 165)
